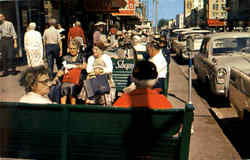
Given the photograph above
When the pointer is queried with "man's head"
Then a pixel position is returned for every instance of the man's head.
(52, 21)
(153, 47)
(78, 23)
(145, 74)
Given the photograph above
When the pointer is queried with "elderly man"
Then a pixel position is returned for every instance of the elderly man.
(144, 76)
(53, 46)
(7, 42)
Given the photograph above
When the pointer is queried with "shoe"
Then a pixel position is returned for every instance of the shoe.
(5, 74)
(14, 72)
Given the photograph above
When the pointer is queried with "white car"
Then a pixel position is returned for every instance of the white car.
(218, 53)
(239, 90)
(181, 49)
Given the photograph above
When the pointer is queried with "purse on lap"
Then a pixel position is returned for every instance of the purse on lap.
(73, 76)
(97, 86)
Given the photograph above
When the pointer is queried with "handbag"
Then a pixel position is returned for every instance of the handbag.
(73, 76)
(97, 86)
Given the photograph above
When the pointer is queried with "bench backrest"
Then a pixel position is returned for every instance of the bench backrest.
(66, 132)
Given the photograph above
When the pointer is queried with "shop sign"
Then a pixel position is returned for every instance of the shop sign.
(128, 10)
(215, 22)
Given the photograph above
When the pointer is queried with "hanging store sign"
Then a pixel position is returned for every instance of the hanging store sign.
(128, 10)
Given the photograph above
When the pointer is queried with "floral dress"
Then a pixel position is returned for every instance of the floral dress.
(34, 48)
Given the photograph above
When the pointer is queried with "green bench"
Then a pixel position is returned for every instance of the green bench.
(66, 132)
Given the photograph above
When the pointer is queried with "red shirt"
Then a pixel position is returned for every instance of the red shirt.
(143, 98)
(113, 30)
(76, 32)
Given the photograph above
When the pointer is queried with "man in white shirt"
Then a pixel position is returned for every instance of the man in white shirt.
(156, 57)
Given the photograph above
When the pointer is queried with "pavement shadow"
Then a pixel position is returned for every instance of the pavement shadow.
(213, 100)
(236, 132)
(179, 99)
(179, 60)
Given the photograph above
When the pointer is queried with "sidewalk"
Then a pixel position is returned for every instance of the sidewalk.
(208, 141)
(10, 90)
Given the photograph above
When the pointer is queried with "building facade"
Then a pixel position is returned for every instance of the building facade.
(180, 20)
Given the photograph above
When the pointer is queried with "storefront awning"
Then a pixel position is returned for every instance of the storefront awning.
(103, 5)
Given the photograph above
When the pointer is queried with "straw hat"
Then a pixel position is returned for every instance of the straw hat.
(100, 23)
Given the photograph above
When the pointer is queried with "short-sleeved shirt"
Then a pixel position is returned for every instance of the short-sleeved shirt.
(51, 35)
(7, 30)
(143, 97)
(160, 63)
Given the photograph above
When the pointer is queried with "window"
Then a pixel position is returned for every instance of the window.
(214, 6)
(217, 6)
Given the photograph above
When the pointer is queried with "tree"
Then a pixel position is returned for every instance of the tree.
(162, 22)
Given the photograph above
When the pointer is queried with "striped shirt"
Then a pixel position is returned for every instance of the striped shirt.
(7, 30)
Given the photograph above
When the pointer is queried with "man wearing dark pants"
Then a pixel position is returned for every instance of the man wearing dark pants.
(53, 47)
(7, 44)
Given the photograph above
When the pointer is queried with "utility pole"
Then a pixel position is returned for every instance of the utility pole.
(153, 14)
(156, 15)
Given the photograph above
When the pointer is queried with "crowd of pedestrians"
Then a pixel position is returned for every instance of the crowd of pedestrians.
(70, 82)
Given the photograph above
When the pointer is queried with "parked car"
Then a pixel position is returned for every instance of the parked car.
(173, 36)
(218, 53)
(239, 90)
(181, 43)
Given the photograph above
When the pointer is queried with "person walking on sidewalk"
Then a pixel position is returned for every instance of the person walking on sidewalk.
(53, 47)
(76, 32)
(33, 46)
(7, 43)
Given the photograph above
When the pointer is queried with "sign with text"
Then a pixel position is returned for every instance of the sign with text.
(215, 22)
(128, 10)
(122, 70)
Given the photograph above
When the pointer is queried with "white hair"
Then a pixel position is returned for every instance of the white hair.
(78, 23)
(52, 21)
(144, 83)
(32, 25)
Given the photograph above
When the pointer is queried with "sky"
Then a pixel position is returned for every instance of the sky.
(168, 9)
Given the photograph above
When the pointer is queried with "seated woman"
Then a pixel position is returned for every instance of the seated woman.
(100, 63)
(36, 82)
(72, 72)
(145, 77)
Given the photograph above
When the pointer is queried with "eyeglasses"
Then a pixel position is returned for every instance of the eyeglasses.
(46, 81)
(72, 48)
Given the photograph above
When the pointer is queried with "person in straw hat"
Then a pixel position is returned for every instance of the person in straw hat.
(99, 31)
